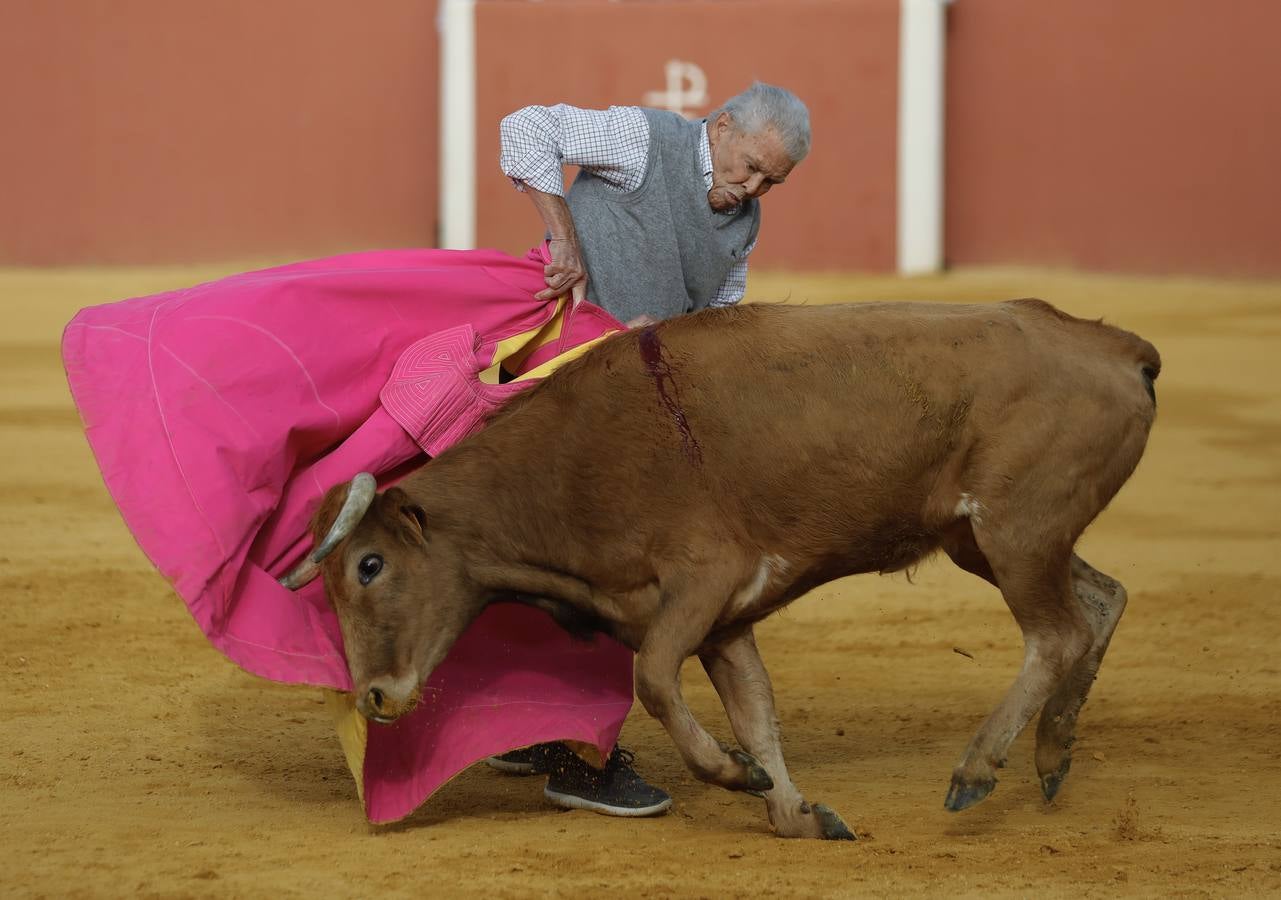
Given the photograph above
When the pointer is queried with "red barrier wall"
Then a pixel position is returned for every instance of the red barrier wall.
(153, 131)
(1142, 135)
(837, 210)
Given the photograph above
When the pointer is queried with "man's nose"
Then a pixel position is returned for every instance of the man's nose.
(756, 185)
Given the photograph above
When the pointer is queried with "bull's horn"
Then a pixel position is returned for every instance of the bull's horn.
(303, 573)
(360, 496)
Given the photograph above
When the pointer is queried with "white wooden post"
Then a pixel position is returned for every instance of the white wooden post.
(457, 24)
(920, 135)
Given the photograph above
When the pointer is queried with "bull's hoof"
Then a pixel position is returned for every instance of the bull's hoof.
(964, 794)
(1052, 781)
(831, 825)
(758, 779)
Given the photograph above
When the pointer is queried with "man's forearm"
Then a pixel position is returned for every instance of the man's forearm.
(555, 214)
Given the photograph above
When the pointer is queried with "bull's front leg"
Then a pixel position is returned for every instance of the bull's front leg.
(739, 676)
(671, 639)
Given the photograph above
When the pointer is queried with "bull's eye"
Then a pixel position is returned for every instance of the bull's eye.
(370, 566)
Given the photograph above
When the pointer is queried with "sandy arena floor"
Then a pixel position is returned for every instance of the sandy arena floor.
(136, 760)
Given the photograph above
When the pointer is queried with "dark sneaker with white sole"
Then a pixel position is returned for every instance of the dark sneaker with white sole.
(518, 762)
(616, 790)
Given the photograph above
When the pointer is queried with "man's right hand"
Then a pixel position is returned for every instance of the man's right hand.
(566, 272)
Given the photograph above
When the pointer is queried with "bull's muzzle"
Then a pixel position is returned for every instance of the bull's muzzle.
(385, 700)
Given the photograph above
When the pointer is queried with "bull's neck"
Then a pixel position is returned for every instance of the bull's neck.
(482, 495)
(500, 521)
(446, 487)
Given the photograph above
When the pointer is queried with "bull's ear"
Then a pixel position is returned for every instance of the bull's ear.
(400, 507)
(415, 518)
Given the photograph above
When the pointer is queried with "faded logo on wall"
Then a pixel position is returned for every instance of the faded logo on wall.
(686, 91)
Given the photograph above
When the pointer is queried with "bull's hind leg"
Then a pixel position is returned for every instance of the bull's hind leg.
(1101, 600)
(674, 636)
(1037, 589)
(739, 676)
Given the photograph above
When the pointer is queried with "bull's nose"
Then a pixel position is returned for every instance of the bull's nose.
(375, 704)
(387, 698)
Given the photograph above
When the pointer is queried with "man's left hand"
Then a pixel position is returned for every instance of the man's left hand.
(566, 273)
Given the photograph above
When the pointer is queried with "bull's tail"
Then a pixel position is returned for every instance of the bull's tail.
(1149, 361)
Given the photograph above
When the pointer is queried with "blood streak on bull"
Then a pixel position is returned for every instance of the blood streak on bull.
(660, 369)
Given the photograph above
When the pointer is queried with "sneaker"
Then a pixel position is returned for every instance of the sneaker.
(525, 761)
(616, 790)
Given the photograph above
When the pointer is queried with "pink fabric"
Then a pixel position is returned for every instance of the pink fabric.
(221, 413)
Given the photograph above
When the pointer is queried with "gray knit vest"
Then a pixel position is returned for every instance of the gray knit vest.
(660, 249)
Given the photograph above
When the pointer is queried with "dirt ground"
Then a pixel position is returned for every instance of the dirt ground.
(136, 760)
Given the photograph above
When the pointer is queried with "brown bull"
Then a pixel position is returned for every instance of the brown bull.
(678, 484)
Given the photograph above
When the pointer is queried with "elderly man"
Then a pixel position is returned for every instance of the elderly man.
(659, 222)
(665, 211)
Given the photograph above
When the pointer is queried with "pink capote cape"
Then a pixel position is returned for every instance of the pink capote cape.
(220, 414)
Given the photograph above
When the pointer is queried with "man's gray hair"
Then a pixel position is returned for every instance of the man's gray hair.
(764, 106)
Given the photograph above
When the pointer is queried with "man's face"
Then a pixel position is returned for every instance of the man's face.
(743, 165)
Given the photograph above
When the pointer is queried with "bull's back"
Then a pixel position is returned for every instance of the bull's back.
(927, 372)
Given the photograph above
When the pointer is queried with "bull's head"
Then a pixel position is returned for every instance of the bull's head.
(400, 610)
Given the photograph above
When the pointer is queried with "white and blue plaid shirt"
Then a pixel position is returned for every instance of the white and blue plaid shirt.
(613, 144)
